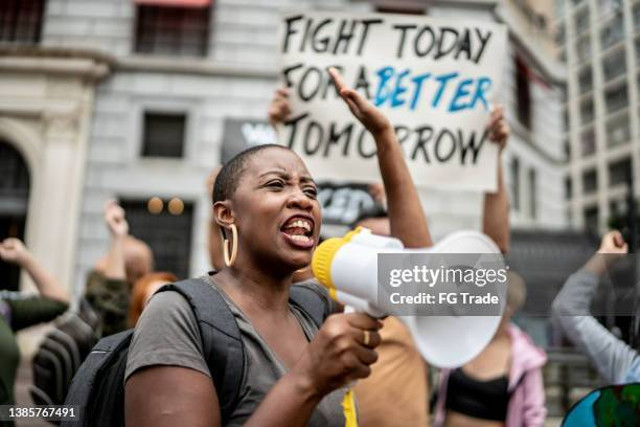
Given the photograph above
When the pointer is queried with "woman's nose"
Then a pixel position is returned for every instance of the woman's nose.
(300, 200)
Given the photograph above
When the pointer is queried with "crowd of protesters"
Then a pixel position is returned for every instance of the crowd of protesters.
(264, 227)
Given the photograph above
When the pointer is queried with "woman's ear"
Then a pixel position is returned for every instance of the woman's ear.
(223, 214)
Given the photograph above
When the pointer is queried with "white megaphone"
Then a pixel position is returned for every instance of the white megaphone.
(348, 267)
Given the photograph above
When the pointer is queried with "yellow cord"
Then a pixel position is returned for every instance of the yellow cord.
(349, 409)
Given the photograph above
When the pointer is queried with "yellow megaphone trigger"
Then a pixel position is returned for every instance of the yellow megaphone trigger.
(323, 257)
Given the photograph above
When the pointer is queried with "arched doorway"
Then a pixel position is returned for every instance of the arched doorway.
(14, 199)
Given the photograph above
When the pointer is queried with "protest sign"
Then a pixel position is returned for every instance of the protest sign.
(435, 79)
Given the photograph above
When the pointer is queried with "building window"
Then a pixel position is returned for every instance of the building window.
(523, 93)
(568, 188)
(514, 172)
(591, 220)
(533, 194)
(618, 131)
(581, 20)
(619, 172)
(583, 48)
(588, 142)
(585, 79)
(616, 98)
(167, 232)
(164, 134)
(587, 111)
(609, 6)
(560, 34)
(589, 181)
(636, 16)
(21, 20)
(612, 32)
(176, 31)
(614, 65)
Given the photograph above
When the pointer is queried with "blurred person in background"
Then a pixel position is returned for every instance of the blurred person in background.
(614, 359)
(109, 285)
(143, 290)
(19, 311)
(503, 385)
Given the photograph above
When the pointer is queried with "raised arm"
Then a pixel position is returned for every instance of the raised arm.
(13, 250)
(119, 230)
(611, 356)
(495, 218)
(406, 217)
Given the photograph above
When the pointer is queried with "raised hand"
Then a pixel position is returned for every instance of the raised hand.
(115, 220)
(498, 128)
(280, 108)
(14, 251)
(613, 243)
(372, 118)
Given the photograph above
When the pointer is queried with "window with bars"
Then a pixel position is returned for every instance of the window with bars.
(164, 134)
(168, 234)
(619, 172)
(173, 31)
(618, 130)
(616, 98)
(585, 79)
(614, 64)
(581, 20)
(587, 111)
(21, 20)
(591, 218)
(589, 181)
(583, 48)
(612, 32)
(588, 142)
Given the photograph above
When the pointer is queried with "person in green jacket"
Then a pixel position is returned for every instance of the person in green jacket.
(19, 310)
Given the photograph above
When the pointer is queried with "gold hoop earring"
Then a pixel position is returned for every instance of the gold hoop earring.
(229, 260)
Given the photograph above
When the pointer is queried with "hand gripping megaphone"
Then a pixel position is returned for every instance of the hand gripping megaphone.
(348, 268)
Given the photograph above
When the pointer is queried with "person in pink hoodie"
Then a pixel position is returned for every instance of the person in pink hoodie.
(502, 386)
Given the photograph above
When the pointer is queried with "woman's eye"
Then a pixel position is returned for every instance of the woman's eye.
(276, 184)
(311, 192)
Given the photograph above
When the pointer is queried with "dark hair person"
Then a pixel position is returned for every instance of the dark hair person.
(265, 201)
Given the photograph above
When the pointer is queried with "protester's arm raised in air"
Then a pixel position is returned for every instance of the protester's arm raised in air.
(13, 250)
(114, 217)
(406, 217)
(495, 218)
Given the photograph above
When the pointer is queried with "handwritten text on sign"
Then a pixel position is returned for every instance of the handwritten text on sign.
(435, 79)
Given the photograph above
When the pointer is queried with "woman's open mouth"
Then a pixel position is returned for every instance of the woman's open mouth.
(298, 231)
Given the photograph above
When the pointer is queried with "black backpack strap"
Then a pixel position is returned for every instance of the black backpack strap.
(87, 377)
(221, 339)
(311, 301)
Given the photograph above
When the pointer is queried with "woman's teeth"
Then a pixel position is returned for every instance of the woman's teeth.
(300, 237)
(300, 224)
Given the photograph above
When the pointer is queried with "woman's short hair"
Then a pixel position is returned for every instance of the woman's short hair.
(229, 176)
(140, 290)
